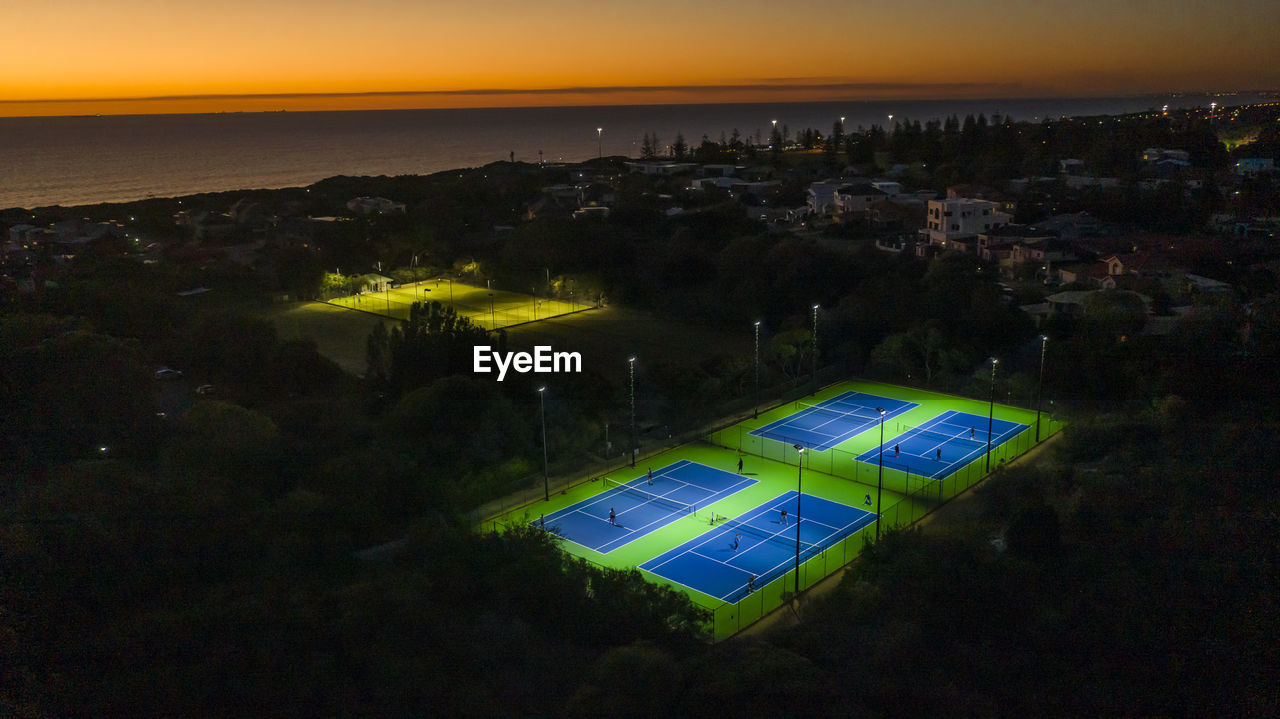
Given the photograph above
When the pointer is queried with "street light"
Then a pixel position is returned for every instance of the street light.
(880, 475)
(600, 141)
(757, 410)
(813, 367)
(542, 410)
(991, 410)
(631, 367)
(799, 477)
(1044, 344)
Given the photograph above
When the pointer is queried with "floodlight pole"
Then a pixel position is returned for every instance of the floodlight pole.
(1044, 344)
(542, 410)
(799, 477)
(880, 475)
(813, 367)
(492, 323)
(757, 410)
(991, 410)
(631, 367)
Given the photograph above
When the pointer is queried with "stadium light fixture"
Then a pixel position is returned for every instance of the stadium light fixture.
(799, 477)
(991, 410)
(1044, 344)
(542, 410)
(880, 475)
(813, 366)
(631, 368)
(757, 410)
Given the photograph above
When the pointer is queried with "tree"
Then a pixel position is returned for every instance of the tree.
(75, 395)
(680, 148)
(224, 441)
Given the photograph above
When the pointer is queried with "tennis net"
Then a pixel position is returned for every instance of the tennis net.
(944, 437)
(806, 549)
(650, 497)
(855, 415)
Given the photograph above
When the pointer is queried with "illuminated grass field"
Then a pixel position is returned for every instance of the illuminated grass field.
(487, 309)
(847, 473)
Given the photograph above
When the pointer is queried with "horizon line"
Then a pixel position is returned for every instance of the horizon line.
(879, 87)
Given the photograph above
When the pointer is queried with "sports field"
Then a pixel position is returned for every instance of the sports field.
(489, 309)
(721, 536)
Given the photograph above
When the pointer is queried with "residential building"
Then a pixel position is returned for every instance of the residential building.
(959, 220)
(857, 199)
(375, 205)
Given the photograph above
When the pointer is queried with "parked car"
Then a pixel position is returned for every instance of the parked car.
(204, 389)
(166, 373)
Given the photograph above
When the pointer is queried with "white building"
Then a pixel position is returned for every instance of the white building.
(857, 199)
(822, 198)
(961, 218)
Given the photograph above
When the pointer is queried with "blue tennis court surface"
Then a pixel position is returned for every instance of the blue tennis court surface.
(944, 444)
(828, 423)
(639, 507)
(766, 547)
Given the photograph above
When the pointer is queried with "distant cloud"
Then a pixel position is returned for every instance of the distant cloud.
(775, 85)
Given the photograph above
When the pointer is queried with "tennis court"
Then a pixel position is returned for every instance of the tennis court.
(487, 308)
(826, 424)
(943, 444)
(678, 490)
(766, 547)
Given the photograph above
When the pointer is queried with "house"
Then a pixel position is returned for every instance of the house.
(857, 199)
(719, 170)
(660, 168)
(1001, 240)
(375, 205)
(373, 282)
(757, 189)
(1080, 182)
(1129, 263)
(1073, 302)
(889, 187)
(1198, 284)
(959, 220)
(1087, 273)
(822, 198)
(890, 214)
(1071, 226)
(1156, 154)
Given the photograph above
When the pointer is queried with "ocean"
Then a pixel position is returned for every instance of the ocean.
(86, 160)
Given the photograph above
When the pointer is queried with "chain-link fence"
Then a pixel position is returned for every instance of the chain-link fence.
(916, 495)
(919, 496)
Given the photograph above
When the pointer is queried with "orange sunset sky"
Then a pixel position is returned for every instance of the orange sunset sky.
(64, 57)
